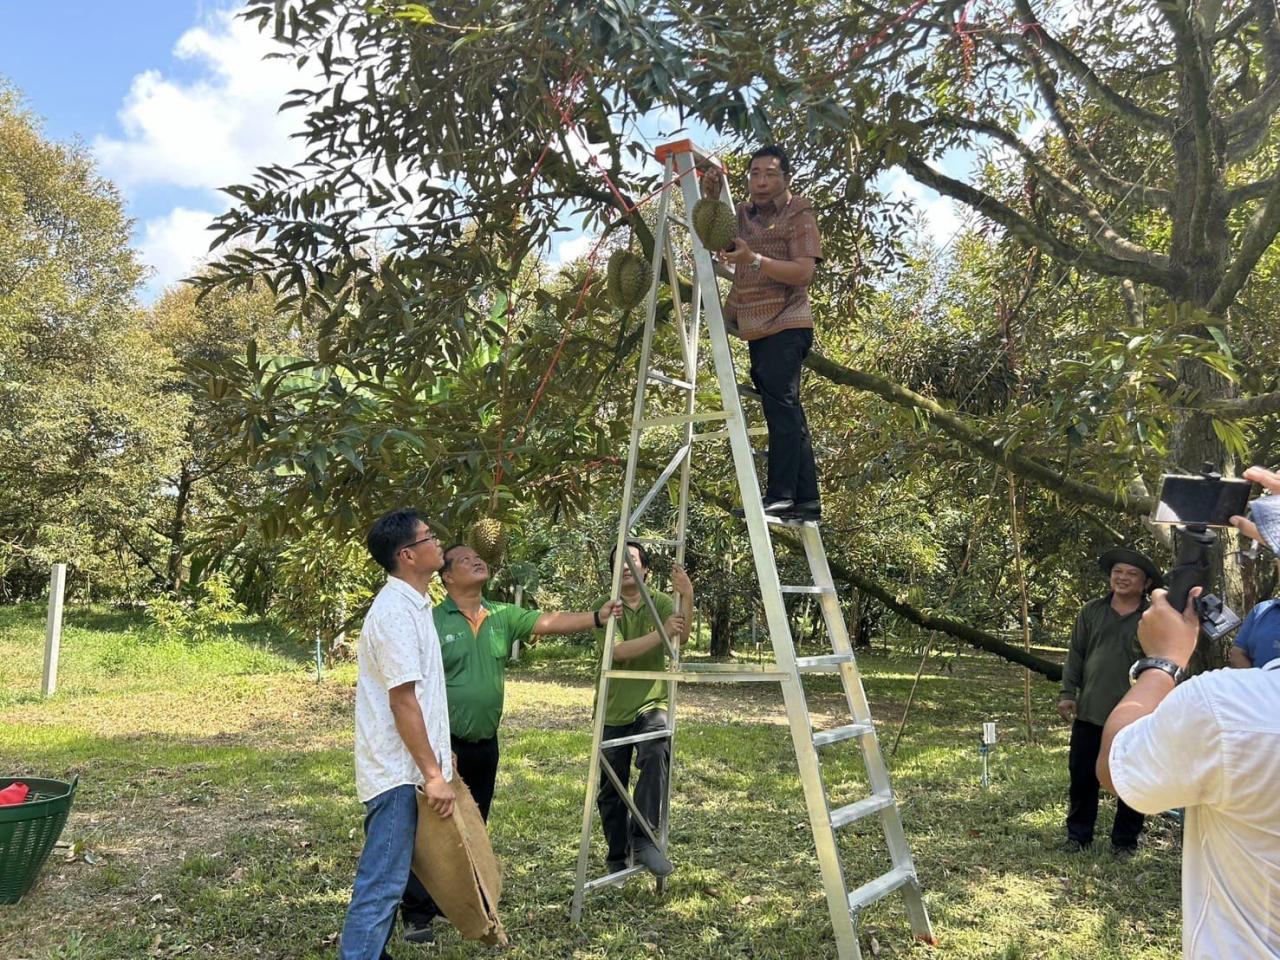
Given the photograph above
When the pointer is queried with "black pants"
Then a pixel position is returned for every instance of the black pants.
(1082, 813)
(653, 759)
(478, 767)
(775, 371)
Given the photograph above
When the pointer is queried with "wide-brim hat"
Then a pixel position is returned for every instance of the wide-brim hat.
(1134, 559)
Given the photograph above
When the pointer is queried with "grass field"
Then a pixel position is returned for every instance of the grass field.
(216, 815)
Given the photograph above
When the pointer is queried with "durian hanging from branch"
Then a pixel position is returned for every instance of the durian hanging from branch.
(627, 279)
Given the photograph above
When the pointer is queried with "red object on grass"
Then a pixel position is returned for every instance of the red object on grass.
(14, 794)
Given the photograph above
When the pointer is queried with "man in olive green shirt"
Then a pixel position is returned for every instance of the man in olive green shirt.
(635, 707)
(1104, 645)
(476, 636)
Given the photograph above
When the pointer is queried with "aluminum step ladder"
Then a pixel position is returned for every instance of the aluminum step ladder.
(694, 426)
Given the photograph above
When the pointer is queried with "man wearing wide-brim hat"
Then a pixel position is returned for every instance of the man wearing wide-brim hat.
(1104, 645)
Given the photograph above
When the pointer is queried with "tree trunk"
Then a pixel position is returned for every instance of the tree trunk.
(178, 529)
(721, 623)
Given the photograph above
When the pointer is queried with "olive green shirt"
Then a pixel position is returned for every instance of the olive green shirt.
(1104, 645)
(627, 699)
(475, 663)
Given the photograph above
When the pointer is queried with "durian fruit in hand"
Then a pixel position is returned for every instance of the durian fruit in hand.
(627, 279)
(715, 223)
(488, 538)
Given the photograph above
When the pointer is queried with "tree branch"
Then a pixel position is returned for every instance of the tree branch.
(1251, 191)
(1256, 238)
(1106, 236)
(1026, 231)
(1080, 152)
(1242, 408)
(1108, 98)
(930, 621)
(1194, 75)
(955, 427)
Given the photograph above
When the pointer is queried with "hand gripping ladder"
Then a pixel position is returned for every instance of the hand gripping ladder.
(845, 905)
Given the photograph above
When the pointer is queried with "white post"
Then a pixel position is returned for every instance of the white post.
(53, 628)
(515, 647)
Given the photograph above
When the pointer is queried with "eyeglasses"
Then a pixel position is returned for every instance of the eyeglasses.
(428, 538)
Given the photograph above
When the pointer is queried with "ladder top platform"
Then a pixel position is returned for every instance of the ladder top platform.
(681, 146)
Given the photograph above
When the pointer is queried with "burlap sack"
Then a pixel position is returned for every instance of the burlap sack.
(455, 862)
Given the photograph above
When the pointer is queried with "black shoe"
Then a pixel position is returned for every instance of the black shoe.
(614, 866)
(652, 859)
(748, 392)
(778, 506)
(1123, 853)
(1073, 846)
(417, 931)
(806, 510)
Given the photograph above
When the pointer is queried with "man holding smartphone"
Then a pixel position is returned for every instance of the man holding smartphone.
(1211, 745)
(1103, 647)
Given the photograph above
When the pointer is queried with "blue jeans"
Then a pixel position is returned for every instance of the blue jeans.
(390, 826)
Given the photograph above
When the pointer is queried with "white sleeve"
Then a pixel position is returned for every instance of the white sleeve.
(393, 641)
(1172, 757)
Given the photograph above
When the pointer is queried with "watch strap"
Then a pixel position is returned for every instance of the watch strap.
(1175, 672)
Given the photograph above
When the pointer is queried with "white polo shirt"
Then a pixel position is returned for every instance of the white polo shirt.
(1213, 746)
(397, 645)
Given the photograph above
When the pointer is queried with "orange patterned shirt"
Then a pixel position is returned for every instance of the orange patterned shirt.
(758, 306)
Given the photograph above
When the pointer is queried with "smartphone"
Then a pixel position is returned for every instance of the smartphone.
(1200, 500)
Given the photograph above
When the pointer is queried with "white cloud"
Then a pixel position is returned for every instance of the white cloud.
(577, 245)
(214, 130)
(941, 217)
(174, 245)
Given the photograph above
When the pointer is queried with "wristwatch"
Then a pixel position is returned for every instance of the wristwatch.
(756, 261)
(595, 615)
(1156, 663)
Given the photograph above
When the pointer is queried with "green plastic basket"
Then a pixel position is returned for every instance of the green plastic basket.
(28, 832)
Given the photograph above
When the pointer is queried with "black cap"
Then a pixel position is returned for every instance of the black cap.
(1134, 559)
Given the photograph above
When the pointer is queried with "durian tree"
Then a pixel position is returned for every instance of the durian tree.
(446, 145)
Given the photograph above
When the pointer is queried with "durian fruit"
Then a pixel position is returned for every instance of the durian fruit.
(627, 279)
(488, 538)
(715, 223)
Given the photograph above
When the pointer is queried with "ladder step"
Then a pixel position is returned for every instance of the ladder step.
(684, 418)
(610, 879)
(836, 734)
(856, 811)
(637, 738)
(787, 522)
(826, 663)
(880, 887)
(801, 589)
(670, 381)
(656, 541)
(717, 434)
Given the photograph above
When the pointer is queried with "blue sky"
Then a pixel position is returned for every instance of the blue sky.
(174, 99)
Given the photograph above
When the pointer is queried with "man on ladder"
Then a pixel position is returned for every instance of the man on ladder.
(639, 707)
(774, 256)
(786, 266)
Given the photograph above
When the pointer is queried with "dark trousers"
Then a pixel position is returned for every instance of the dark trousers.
(1082, 812)
(775, 371)
(477, 765)
(653, 759)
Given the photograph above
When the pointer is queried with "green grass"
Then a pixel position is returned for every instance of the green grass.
(217, 806)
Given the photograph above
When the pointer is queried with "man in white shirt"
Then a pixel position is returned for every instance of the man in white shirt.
(1211, 745)
(402, 727)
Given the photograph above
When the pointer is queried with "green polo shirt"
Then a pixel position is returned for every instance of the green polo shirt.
(629, 698)
(475, 663)
(1104, 645)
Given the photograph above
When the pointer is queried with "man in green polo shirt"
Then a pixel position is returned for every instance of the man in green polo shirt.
(1104, 645)
(637, 707)
(476, 636)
